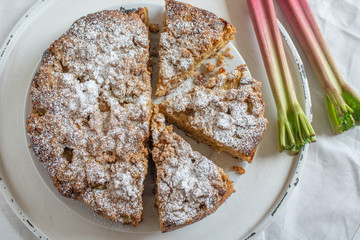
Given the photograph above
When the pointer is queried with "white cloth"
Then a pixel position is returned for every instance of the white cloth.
(326, 202)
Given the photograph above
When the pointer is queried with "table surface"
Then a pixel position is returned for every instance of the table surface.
(325, 204)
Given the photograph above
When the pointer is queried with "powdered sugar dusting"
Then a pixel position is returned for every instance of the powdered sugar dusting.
(189, 186)
(231, 116)
(90, 116)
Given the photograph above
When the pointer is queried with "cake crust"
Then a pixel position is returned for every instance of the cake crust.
(90, 115)
(189, 186)
(189, 36)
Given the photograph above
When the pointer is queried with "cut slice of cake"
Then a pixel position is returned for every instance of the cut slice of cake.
(188, 185)
(189, 36)
(90, 118)
(226, 112)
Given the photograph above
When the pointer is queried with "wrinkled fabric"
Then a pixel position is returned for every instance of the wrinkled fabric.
(326, 202)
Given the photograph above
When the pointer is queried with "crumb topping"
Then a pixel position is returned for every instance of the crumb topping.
(188, 184)
(238, 169)
(228, 109)
(89, 123)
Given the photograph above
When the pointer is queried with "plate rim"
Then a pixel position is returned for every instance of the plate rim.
(3, 186)
(285, 194)
(301, 156)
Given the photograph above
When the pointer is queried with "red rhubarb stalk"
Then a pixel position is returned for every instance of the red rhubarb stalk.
(294, 129)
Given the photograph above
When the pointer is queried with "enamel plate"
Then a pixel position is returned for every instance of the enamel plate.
(260, 193)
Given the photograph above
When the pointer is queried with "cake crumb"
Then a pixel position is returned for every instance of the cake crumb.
(227, 53)
(220, 57)
(154, 28)
(221, 70)
(210, 67)
(238, 169)
(219, 62)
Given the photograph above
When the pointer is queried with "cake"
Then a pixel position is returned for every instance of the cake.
(225, 112)
(189, 186)
(189, 36)
(89, 123)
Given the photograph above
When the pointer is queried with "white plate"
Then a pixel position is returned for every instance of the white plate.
(29, 191)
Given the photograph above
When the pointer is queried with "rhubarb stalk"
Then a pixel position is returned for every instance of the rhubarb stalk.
(294, 129)
(341, 102)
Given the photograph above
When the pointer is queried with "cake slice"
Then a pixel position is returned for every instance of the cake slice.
(226, 112)
(188, 185)
(89, 123)
(189, 36)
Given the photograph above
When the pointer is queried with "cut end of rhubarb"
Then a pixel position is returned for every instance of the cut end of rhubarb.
(341, 102)
(346, 119)
(294, 132)
(353, 101)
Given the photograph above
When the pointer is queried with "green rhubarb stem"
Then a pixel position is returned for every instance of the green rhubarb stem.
(294, 129)
(303, 129)
(341, 102)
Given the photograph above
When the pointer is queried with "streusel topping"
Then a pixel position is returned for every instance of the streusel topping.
(89, 123)
(188, 184)
(231, 116)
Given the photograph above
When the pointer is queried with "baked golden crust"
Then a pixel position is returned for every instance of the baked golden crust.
(89, 122)
(189, 36)
(189, 186)
(225, 112)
